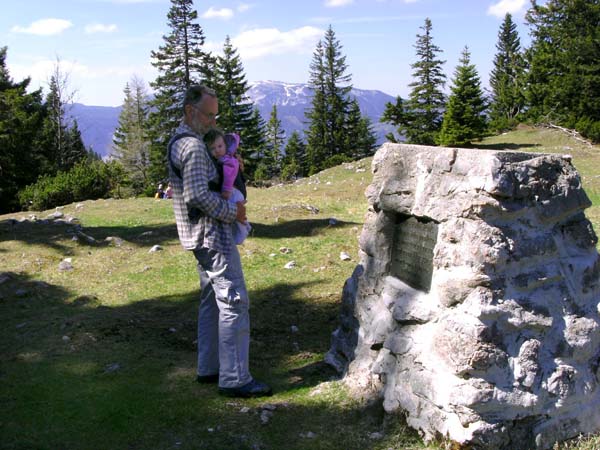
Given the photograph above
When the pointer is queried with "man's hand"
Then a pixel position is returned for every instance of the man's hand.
(241, 212)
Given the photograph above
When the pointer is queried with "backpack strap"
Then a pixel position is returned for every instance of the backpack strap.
(212, 185)
(174, 139)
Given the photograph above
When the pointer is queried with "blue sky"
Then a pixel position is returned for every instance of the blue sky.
(101, 44)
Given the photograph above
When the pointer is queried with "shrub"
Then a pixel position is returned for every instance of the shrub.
(87, 180)
(589, 128)
(334, 160)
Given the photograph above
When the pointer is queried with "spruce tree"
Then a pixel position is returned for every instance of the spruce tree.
(395, 114)
(274, 137)
(425, 105)
(235, 107)
(236, 110)
(506, 79)
(179, 61)
(76, 151)
(130, 141)
(359, 136)
(64, 145)
(22, 151)
(464, 120)
(252, 146)
(293, 165)
(564, 64)
(331, 85)
(317, 114)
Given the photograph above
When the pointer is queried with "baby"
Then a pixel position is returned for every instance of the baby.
(223, 148)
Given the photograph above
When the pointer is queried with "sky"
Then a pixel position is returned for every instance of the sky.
(101, 44)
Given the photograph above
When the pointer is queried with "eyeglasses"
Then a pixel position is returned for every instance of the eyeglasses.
(209, 116)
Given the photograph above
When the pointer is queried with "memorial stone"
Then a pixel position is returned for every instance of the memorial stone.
(474, 309)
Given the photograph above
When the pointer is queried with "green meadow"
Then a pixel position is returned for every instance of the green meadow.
(103, 356)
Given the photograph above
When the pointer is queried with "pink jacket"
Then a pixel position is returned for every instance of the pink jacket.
(231, 165)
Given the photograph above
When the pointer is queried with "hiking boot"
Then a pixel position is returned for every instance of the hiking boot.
(253, 389)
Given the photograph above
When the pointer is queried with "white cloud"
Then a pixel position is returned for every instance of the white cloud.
(44, 27)
(100, 28)
(506, 6)
(243, 7)
(127, 2)
(336, 3)
(261, 42)
(93, 85)
(223, 13)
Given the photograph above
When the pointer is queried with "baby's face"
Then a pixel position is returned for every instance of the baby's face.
(218, 148)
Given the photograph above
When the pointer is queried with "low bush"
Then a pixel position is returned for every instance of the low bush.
(85, 181)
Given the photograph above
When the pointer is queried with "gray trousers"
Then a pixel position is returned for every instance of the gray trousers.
(223, 319)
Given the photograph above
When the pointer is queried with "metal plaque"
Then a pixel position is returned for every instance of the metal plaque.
(412, 253)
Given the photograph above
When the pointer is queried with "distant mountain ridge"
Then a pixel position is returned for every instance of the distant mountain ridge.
(98, 123)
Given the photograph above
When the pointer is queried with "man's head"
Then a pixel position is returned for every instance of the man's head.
(200, 108)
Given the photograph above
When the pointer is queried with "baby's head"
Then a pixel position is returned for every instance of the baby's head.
(215, 141)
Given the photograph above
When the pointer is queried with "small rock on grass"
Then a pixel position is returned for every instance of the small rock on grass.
(376, 435)
(290, 265)
(308, 435)
(345, 256)
(155, 248)
(265, 416)
(65, 264)
(112, 368)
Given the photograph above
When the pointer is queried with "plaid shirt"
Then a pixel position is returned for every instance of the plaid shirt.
(203, 217)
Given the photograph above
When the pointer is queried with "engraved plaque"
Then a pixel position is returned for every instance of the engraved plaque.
(412, 253)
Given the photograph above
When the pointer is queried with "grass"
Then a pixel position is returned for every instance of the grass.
(103, 356)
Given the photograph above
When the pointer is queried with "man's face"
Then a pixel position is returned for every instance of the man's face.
(202, 116)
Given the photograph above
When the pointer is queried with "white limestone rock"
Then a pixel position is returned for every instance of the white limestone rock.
(501, 350)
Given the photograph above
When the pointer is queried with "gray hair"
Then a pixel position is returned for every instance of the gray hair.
(195, 93)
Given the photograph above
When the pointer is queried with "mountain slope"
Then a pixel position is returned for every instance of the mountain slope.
(294, 99)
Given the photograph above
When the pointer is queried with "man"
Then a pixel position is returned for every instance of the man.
(204, 225)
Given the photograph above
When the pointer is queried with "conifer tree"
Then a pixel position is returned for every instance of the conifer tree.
(235, 107)
(331, 85)
(64, 145)
(130, 141)
(294, 161)
(22, 151)
(506, 79)
(359, 136)
(274, 137)
(75, 146)
(422, 116)
(253, 144)
(317, 114)
(564, 77)
(179, 62)
(395, 114)
(464, 120)
(236, 110)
